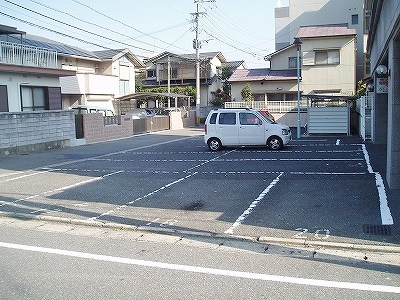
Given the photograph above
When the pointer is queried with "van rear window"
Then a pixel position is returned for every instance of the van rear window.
(213, 118)
(227, 118)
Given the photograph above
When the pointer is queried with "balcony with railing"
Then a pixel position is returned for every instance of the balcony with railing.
(24, 55)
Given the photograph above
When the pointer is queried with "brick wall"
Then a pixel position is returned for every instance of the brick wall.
(95, 131)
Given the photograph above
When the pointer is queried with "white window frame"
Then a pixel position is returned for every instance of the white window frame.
(321, 57)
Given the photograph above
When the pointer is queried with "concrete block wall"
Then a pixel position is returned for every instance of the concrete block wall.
(31, 131)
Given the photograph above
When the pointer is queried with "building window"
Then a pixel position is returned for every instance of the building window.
(327, 57)
(174, 72)
(281, 96)
(293, 62)
(33, 98)
(151, 73)
(259, 97)
(124, 59)
(354, 19)
(367, 21)
(124, 87)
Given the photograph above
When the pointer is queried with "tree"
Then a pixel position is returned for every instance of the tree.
(246, 93)
(226, 72)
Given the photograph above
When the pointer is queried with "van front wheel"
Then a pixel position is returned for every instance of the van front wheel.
(274, 143)
(214, 144)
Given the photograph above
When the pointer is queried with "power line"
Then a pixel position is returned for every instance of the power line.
(86, 31)
(75, 27)
(124, 24)
(108, 29)
(50, 24)
(217, 32)
(51, 30)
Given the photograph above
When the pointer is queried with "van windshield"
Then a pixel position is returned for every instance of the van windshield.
(264, 117)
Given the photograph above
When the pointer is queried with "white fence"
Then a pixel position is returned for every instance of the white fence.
(272, 106)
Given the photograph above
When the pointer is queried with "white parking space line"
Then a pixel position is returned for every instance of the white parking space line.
(291, 159)
(386, 215)
(63, 188)
(208, 271)
(253, 205)
(366, 157)
(23, 176)
(141, 198)
(115, 153)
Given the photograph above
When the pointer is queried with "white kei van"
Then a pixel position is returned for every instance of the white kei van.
(86, 109)
(243, 127)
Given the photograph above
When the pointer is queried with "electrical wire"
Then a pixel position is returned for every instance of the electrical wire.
(75, 27)
(52, 25)
(108, 29)
(124, 24)
(53, 31)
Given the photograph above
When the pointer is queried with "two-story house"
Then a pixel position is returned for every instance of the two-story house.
(40, 74)
(180, 70)
(327, 63)
(29, 73)
(106, 75)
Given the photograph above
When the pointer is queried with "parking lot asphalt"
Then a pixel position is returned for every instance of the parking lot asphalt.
(319, 190)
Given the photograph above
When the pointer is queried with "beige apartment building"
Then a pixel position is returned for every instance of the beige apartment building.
(350, 13)
(327, 63)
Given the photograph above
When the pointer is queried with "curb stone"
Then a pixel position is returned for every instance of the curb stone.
(261, 239)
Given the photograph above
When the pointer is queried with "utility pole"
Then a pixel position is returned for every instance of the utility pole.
(169, 80)
(197, 46)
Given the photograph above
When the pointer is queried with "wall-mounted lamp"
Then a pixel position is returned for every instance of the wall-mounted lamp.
(382, 71)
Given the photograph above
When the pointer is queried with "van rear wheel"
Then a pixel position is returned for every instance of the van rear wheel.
(214, 144)
(275, 143)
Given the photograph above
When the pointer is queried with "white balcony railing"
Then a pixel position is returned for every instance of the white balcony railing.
(23, 55)
(272, 106)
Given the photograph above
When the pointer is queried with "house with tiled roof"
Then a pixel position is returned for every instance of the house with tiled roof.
(183, 72)
(29, 73)
(327, 65)
(99, 80)
(43, 74)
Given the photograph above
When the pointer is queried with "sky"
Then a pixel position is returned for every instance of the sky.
(239, 29)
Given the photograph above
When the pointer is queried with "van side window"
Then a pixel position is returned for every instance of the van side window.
(213, 118)
(227, 118)
(249, 119)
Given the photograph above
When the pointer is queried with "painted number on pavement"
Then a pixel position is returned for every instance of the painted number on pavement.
(320, 234)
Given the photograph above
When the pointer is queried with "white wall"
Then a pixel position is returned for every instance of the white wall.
(14, 81)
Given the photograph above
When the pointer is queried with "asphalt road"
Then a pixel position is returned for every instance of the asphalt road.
(316, 189)
(41, 260)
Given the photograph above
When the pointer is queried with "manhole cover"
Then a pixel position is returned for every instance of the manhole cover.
(377, 229)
